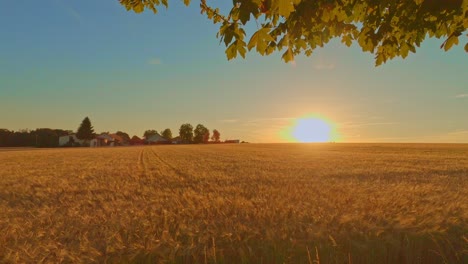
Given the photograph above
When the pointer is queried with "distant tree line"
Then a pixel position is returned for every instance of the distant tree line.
(187, 134)
(41, 137)
(49, 138)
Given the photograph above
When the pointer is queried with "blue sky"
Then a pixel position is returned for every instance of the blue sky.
(62, 60)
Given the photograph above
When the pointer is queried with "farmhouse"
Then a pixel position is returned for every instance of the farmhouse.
(118, 140)
(99, 141)
(102, 141)
(176, 140)
(70, 140)
(135, 140)
(157, 139)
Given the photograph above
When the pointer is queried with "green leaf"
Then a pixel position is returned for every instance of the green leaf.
(139, 7)
(288, 56)
(241, 48)
(404, 50)
(450, 41)
(379, 59)
(270, 48)
(260, 39)
(228, 34)
(234, 14)
(253, 40)
(231, 51)
(285, 7)
(347, 39)
(326, 15)
(239, 33)
(301, 44)
(247, 8)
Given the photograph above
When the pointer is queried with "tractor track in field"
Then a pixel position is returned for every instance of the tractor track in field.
(170, 167)
(141, 165)
(155, 170)
(150, 164)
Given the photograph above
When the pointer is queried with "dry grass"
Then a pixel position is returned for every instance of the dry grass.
(265, 203)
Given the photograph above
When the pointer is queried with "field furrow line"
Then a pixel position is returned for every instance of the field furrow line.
(144, 165)
(170, 167)
(140, 160)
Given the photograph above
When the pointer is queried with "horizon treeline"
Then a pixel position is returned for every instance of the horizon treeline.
(40, 137)
(49, 138)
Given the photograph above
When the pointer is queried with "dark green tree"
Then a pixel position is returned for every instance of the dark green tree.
(387, 28)
(216, 136)
(201, 134)
(166, 133)
(206, 137)
(5, 136)
(150, 132)
(186, 133)
(123, 135)
(85, 131)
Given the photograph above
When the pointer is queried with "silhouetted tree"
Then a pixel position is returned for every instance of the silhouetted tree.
(149, 133)
(186, 133)
(45, 137)
(5, 135)
(136, 141)
(41, 137)
(216, 136)
(85, 131)
(206, 137)
(200, 132)
(167, 133)
(123, 135)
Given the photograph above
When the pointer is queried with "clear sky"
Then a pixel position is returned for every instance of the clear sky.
(62, 60)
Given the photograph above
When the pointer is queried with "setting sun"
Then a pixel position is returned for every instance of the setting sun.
(311, 129)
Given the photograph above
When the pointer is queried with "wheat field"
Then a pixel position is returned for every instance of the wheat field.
(246, 203)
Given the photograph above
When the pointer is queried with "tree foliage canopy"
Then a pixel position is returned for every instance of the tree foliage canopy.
(186, 132)
(41, 137)
(124, 135)
(85, 131)
(150, 132)
(386, 28)
(166, 133)
(202, 134)
(216, 136)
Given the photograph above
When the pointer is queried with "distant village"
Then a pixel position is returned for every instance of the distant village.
(86, 137)
(112, 140)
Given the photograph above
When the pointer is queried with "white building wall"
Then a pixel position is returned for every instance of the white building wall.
(63, 140)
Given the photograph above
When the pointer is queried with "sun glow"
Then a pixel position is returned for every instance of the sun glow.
(311, 129)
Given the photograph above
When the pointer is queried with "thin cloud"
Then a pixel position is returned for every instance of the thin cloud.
(462, 95)
(155, 61)
(459, 132)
